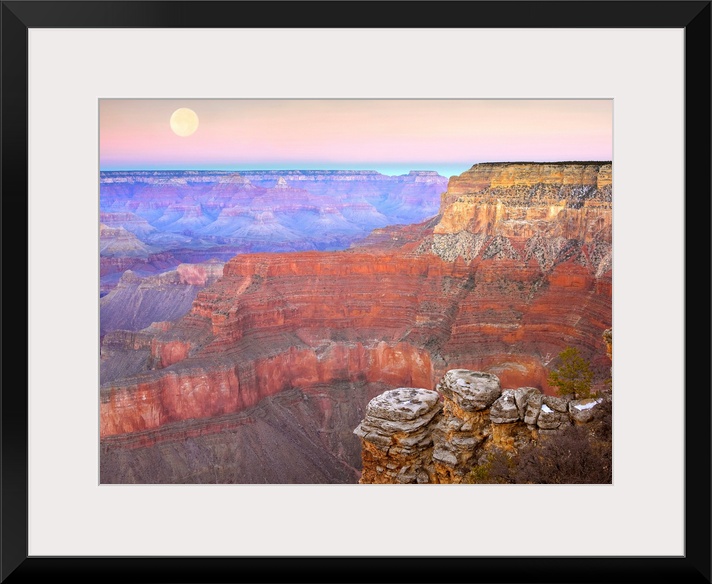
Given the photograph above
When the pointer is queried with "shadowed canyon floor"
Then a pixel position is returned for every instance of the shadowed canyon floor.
(299, 437)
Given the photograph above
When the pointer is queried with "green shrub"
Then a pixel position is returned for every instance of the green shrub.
(574, 375)
(496, 470)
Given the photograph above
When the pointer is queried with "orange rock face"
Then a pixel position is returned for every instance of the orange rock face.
(522, 200)
(515, 268)
(484, 176)
(203, 388)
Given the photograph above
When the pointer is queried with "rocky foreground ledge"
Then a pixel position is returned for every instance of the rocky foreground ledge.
(416, 435)
(397, 436)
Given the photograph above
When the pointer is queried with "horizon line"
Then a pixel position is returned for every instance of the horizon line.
(345, 168)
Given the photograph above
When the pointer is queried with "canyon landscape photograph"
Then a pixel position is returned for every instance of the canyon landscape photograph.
(371, 291)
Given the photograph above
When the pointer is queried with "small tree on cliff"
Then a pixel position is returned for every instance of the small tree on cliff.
(574, 375)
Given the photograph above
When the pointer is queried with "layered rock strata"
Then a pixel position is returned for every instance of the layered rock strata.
(397, 436)
(267, 325)
(136, 302)
(515, 268)
(548, 213)
(296, 436)
(476, 417)
(465, 424)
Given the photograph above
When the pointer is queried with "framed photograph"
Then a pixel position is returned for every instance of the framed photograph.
(286, 272)
(353, 279)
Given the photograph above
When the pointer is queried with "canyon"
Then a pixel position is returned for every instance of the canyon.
(136, 302)
(281, 350)
(154, 222)
(149, 217)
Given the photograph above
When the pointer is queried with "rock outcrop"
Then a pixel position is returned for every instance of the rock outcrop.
(465, 425)
(547, 213)
(397, 436)
(608, 339)
(434, 446)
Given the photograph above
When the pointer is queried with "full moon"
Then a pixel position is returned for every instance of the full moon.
(184, 121)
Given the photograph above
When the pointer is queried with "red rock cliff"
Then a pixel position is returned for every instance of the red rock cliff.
(516, 267)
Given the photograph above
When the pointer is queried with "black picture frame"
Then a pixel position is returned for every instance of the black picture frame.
(692, 16)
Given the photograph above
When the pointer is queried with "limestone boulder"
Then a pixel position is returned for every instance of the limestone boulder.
(583, 411)
(398, 411)
(551, 419)
(471, 390)
(504, 410)
(558, 404)
(522, 396)
(533, 410)
(397, 436)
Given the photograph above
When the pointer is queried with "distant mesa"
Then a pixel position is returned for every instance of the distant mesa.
(192, 212)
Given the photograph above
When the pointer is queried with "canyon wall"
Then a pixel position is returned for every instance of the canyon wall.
(515, 267)
(296, 436)
(151, 221)
(136, 302)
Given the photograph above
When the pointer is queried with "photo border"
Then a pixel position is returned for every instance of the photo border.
(694, 17)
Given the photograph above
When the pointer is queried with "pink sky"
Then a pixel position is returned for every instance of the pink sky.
(390, 136)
